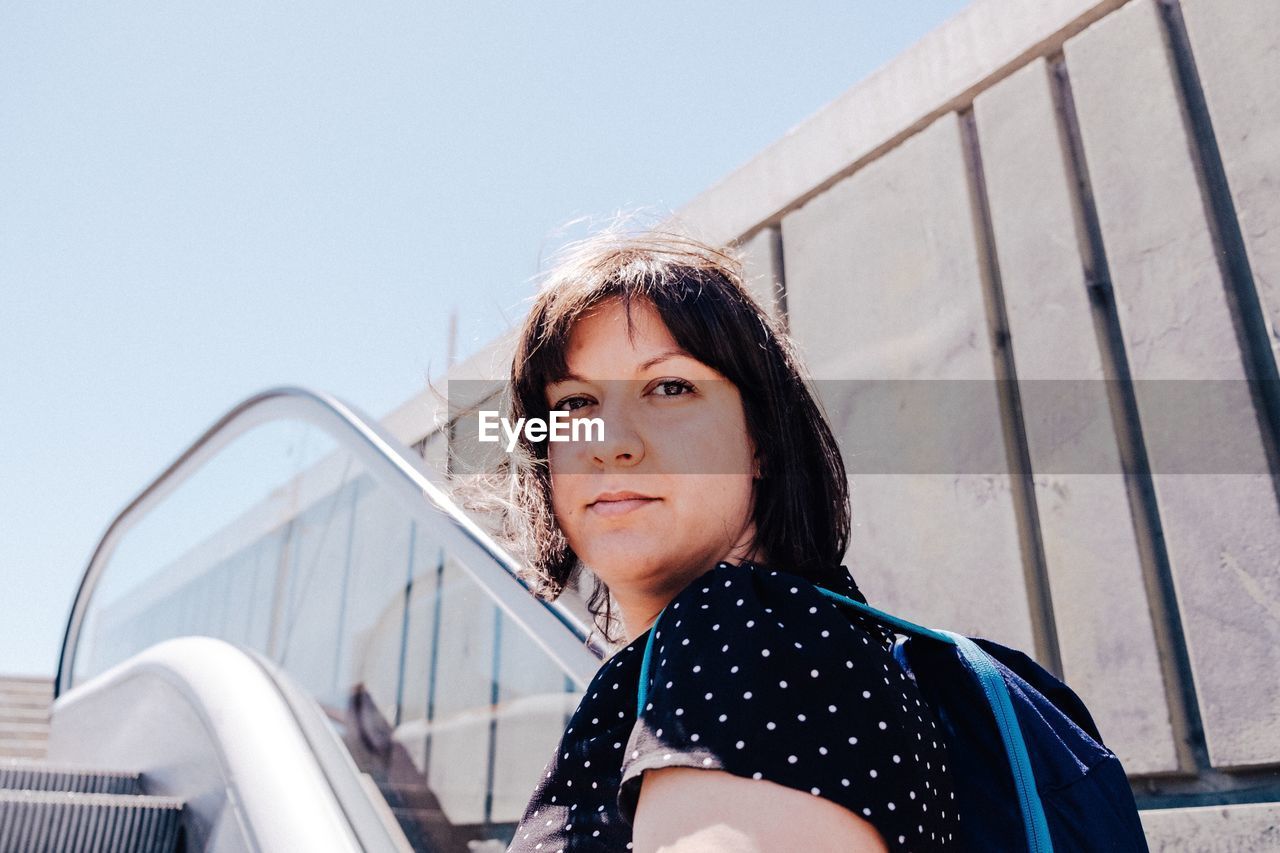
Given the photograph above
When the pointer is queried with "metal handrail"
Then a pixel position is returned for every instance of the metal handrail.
(375, 829)
(555, 628)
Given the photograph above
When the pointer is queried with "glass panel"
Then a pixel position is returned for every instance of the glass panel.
(163, 571)
(312, 628)
(535, 702)
(381, 559)
(460, 700)
(284, 543)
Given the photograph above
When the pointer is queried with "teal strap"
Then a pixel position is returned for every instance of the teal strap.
(901, 624)
(642, 694)
(997, 692)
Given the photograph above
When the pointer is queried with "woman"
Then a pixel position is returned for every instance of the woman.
(775, 720)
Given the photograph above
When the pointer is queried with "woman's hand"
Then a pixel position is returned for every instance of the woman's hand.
(688, 810)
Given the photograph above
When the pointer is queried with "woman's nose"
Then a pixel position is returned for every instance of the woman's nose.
(622, 443)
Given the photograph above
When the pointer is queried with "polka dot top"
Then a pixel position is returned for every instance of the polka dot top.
(755, 673)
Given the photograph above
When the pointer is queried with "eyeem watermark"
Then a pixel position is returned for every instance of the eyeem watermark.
(561, 426)
(951, 427)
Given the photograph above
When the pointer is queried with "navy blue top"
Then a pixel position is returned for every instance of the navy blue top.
(755, 673)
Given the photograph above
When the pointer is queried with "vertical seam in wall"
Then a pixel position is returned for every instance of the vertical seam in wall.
(286, 566)
(779, 274)
(779, 244)
(250, 610)
(301, 596)
(1175, 661)
(450, 431)
(404, 622)
(434, 668)
(225, 578)
(1224, 230)
(495, 675)
(341, 628)
(1039, 596)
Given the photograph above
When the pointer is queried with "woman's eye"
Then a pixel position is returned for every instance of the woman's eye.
(672, 388)
(567, 404)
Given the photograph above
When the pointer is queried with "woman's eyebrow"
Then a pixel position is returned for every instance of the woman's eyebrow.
(644, 365)
(663, 356)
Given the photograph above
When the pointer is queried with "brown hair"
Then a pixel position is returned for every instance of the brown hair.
(801, 510)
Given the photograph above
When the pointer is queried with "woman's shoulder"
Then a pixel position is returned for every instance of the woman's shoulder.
(743, 632)
(735, 608)
(757, 673)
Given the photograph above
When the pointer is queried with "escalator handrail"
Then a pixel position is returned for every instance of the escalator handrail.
(221, 729)
(374, 830)
(557, 629)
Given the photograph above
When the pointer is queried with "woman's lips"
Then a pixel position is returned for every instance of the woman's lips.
(613, 508)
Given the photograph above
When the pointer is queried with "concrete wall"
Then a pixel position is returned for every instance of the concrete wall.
(1072, 207)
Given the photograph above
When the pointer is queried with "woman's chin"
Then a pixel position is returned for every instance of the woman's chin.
(633, 556)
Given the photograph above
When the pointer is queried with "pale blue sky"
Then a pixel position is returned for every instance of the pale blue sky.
(198, 201)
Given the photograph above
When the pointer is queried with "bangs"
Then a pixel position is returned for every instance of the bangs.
(696, 290)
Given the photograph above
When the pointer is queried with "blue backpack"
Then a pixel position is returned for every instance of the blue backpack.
(1035, 774)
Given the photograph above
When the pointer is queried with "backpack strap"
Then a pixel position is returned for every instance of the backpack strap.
(889, 619)
(1015, 746)
(642, 694)
(997, 693)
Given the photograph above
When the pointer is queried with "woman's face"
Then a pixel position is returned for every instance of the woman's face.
(674, 433)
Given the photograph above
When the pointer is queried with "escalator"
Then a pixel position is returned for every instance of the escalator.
(192, 744)
(70, 809)
(298, 580)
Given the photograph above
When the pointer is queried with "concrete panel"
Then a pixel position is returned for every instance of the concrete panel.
(1221, 530)
(984, 42)
(1105, 633)
(1237, 52)
(762, 267)
(1245, 828)
(883, 283)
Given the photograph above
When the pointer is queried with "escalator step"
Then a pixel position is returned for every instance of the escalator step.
(26, 748)
(39, 776)
(61, 822)
(29, 711)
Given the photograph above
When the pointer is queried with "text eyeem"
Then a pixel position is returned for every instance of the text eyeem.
(561, 426)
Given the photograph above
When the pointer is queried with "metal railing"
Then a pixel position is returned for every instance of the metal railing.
(368, 586)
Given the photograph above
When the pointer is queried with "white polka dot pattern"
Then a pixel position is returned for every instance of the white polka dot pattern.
(757, 674)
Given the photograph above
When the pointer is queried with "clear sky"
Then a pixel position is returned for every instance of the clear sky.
(199, 201)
